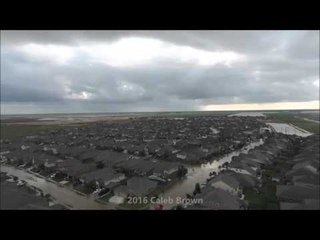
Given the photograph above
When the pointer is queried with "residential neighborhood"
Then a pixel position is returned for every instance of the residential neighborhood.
(146, 156)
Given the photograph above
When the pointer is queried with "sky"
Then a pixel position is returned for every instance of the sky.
(140, 71)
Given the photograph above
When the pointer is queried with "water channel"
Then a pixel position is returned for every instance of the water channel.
(200, 174)
(63, 195)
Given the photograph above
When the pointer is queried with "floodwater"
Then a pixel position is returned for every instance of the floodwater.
(289, 129)
(247, 114)
(62, 195)
(73, 200)
(199, 174)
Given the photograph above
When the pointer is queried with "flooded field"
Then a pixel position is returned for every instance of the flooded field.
(248, 114)
(289, 129)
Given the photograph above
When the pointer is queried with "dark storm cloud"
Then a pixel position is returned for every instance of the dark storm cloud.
(278, 66)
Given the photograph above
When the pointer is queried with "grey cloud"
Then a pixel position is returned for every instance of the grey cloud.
(242, 41)
(286, 62)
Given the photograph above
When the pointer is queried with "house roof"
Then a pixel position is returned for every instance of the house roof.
(227, 178)
(141, 164)
(307, 163)
(307, 169)
(297, 192)
(244, 179)
(306, 205)
(110, 158)
(74, 167)
(305, 179)
(103, 174)
(73, 151)
(258, 156)
(137, 186)
(90, 154)
(244, 165)
(165, 166)
(217, 199)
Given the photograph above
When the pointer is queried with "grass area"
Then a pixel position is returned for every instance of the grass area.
(265, 199)
(15, 131)
(44, 173)
(83, 189)
(106, 197)
(58, 178)
(254, 199)
(286, 117)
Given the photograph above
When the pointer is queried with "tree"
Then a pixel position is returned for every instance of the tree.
(41, 166)
(100, 164)
(91, 186)
(141, 153)
(76, 182)
(182, 171)
(103, 191)
(225, 165)
(28, 164)
(20, 162)
(197, 189)
(179, 207)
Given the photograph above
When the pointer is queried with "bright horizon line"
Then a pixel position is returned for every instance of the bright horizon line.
(235, 110)
(279, 106)
(311, 105)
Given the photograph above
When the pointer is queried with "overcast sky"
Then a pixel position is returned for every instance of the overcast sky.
(124, 71)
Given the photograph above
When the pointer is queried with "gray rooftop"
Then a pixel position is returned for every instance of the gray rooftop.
(139, 186)
(217, 199)
(297, 192)
(104, 174)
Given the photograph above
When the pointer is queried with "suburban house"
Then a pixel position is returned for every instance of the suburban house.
(104, 176)
(305, 168)
(226, 182)
(244, 167)
(140, 166)
(181, 155)
(110, 158)
(305, 179)
(136, 186)
(166, 170)
(217, 199)
(74, 168)
(297, 193)
(308, 204)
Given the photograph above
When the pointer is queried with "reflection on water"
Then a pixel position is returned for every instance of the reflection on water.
(199, 174)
